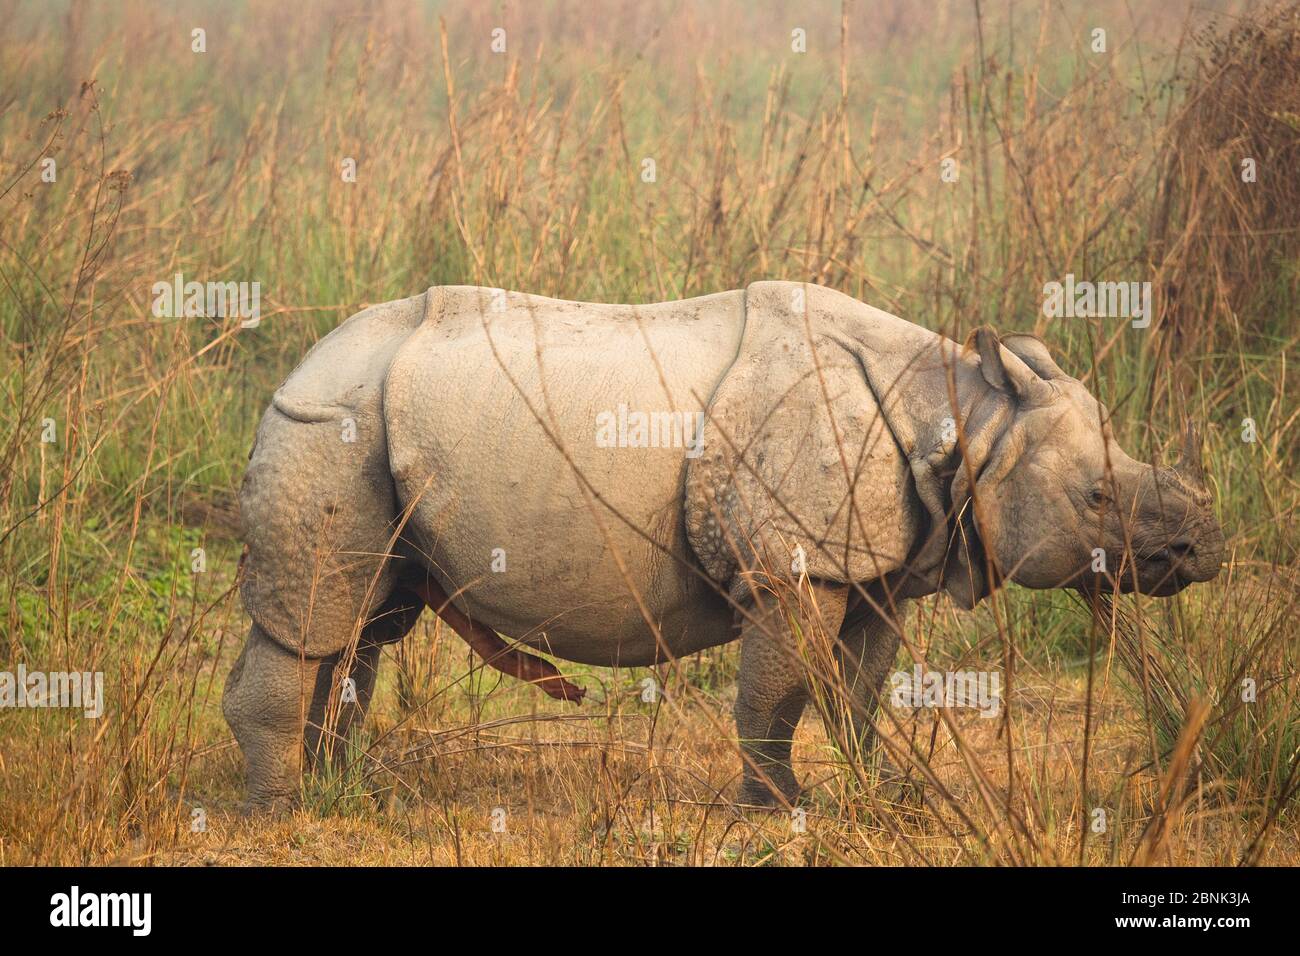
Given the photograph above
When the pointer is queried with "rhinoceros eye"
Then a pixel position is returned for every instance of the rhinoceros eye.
(1098, 497)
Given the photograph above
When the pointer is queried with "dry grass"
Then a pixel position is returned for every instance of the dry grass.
(523, 171)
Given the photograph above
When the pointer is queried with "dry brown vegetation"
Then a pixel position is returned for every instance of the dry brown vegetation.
(522, 171)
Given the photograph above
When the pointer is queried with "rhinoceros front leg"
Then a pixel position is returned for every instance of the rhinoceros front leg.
(773, 685)
(864, 654)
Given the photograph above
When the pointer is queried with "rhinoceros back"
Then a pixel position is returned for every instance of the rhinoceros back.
(538, 492)
(317, 502)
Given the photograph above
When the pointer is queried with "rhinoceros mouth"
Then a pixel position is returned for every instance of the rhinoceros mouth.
(1155, 577)
(1168, 585)
(1175, 567)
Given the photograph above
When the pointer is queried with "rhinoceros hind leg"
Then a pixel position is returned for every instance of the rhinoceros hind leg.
(267, 699)
(338, 707)
(288, 712)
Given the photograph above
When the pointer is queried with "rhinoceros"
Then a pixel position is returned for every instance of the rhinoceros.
(623, 485)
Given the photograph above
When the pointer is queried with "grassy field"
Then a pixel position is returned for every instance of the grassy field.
(125, 435)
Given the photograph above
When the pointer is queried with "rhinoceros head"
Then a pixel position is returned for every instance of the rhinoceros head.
(1056, 487)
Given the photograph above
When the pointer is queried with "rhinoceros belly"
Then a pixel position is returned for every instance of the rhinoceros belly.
(541, 447)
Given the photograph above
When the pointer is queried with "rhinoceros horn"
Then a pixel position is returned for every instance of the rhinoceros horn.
(1189, 465)
(1190, 459)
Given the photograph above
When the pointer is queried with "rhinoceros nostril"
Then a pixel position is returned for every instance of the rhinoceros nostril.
(1175, 552)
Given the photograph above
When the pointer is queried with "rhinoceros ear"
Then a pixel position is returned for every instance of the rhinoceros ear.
(1032, 350)
(1005, 371)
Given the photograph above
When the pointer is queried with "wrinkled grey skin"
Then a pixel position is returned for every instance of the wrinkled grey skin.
(454, 435)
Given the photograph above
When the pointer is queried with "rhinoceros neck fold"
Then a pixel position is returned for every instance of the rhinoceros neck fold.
(944, 419)
(833, 436)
